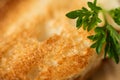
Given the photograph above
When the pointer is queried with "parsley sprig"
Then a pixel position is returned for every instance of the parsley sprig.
(85, 17)
(105, 37)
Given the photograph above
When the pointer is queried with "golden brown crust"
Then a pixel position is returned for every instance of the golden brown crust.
(44, 45)
(7, 6)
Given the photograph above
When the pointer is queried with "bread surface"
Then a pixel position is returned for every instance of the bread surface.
(38, 42)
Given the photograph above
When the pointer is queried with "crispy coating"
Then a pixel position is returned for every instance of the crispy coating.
(39, 43)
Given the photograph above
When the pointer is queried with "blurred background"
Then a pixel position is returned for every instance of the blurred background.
(108, 70)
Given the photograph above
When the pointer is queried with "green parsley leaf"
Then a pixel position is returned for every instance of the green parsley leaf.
(115, 13)
(79, 22)
(112, 43)
(74, 14)
(99, 38)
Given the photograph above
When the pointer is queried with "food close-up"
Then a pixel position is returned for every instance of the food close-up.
(59, 40)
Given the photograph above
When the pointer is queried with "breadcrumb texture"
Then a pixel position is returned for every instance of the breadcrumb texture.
(38, 42)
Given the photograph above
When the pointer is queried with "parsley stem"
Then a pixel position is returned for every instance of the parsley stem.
(104, 12)
(95, 2)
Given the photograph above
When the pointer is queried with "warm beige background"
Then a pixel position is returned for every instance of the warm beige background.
(108, 70)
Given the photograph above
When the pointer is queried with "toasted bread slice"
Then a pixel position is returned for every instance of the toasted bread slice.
(39, 43)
